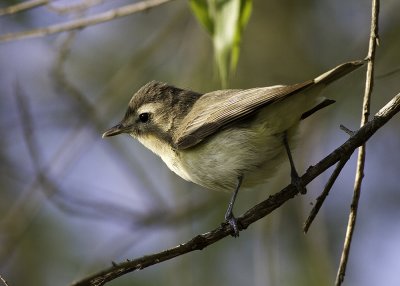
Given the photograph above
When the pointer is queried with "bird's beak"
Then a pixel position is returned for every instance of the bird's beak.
(117, 129)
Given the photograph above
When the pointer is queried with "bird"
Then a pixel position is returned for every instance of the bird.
(228, 139)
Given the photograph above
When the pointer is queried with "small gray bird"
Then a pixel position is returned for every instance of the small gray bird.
(226, 139)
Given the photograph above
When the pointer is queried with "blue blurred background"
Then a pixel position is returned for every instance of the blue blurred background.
(70, 202)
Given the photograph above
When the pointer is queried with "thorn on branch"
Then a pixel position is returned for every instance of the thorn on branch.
(347, 130)
(377, 40)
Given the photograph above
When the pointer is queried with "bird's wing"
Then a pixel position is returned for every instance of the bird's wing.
(215, 110)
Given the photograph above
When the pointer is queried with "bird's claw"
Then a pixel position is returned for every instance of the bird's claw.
(233, 222)
(296, 181)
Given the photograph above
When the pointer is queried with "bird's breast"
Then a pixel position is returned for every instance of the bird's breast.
(218, 162)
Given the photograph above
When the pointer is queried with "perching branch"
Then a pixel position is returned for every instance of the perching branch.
(373, 42)
(255, 213)
(85, 22)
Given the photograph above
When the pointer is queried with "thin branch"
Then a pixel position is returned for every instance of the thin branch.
(13, 9)
(347, 130)
(328, 186)
(85, 22)
(373, 42)
(27, 125)
(75, 7)
(255, 213)
(3, 281)
(321, 198)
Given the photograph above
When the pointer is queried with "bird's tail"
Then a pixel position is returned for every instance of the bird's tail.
(338, 72)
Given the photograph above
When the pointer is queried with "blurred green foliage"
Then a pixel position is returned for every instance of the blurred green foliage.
(225, 21)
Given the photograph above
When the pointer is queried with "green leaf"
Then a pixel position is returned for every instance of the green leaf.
(225, 21)
(244, 16)
(200, 10)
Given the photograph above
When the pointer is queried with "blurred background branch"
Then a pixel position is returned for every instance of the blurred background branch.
(20, 7)
(78, 23)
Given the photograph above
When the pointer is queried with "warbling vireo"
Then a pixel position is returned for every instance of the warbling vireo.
(226, 139)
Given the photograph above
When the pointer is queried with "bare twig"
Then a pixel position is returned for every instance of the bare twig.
(3, 281)
(85, 22)
(347, 130)
(27, 127)
(255, 213)
(75, 7)
(321, 198)
(22, 6)
(373, 42)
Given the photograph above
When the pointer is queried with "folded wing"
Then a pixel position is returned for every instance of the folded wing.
(216, 110)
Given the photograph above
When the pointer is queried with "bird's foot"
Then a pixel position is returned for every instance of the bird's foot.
(233, 222)
(296, 181)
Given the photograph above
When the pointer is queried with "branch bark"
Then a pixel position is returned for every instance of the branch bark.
(255, 213)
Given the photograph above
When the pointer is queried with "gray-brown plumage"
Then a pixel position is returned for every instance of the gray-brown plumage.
(224, 139)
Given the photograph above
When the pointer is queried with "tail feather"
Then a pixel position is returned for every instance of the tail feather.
(339, 72)
(323, 104)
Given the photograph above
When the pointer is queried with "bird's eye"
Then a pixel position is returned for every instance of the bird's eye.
(144, 117)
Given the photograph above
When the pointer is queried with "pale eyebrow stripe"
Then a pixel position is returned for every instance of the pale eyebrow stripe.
(149, 107)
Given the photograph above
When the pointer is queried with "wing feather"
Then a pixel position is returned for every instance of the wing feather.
(216, 110)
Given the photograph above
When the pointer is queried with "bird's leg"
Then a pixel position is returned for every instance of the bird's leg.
(293, 173)
(229, 217)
